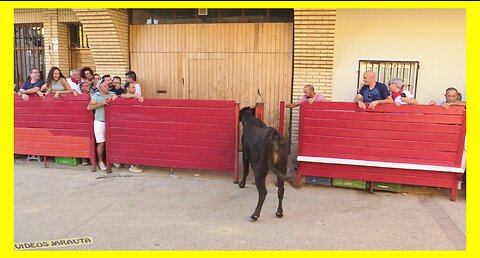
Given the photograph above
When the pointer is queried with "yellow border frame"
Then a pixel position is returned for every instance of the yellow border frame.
(6, 155)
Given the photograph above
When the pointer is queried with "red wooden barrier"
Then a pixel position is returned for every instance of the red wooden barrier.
(60, 127)
(194, 134)
(418, 145)
(281, 121)
(260, 111)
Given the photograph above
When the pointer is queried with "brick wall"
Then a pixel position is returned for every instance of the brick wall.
(56, 42)
(107, 32)
(314, 35)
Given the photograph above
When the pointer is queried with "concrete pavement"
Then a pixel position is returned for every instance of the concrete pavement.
(199, 210)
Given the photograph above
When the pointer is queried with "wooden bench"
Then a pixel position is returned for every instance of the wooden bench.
(411, 144)
(60, 127)
(192, 134)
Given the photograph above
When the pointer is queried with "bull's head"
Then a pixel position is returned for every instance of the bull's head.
(247, 111)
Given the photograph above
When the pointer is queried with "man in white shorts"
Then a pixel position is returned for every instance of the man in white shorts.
(98, 102)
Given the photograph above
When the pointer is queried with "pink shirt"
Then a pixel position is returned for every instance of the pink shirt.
(317, 97)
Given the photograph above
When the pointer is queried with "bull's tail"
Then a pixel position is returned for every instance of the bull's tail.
(278, 153)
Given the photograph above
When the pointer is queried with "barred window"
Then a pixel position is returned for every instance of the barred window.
(386, 70)
(28, 51)
(78, 37)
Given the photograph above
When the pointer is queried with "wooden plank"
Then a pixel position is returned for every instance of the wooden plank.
(51, 139)
(209, 120)
(380, 164)
(176, 103)
(396, 145)
(375, 134)
(381, 153)
(384, 108)
(67, 147)
(180, 157)
(369, 157)
(59, 125)
(313, 115)
(72, 111)
(185, 126)
(158, 142)
(385, 126)
(50, 132)
(53, 118)
(52, 152)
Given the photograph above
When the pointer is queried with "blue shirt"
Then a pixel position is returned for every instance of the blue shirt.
(379, 92)
(29, 85)
(100, 112)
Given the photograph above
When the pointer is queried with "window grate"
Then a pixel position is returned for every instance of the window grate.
(28, 51)
(78, 37)
(386, 70)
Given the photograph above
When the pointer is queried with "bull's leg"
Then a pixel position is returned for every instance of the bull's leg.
(245, 173)
(262, 193)
(281, 191)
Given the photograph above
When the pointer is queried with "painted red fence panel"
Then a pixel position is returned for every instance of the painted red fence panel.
(193, 134)
(409, 134)
(54, 127)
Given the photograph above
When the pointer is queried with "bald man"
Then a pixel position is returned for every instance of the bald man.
(373, 92)
(309, 95)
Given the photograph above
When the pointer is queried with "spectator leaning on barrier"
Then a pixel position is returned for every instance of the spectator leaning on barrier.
(400, 95)
(98, 102)
(56, 83)
(132, 77)
(452, 98)
(74, 80)
(130, 93)
(309, 95)
(373, 92)
(117, 89)
(31, 85)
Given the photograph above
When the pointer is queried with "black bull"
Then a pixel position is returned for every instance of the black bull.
(264, 149)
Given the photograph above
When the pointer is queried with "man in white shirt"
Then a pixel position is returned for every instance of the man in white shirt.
(75, 80)
(400, 95)
(132, 78)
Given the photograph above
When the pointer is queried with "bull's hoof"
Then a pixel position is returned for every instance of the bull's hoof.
(253, 218)
(279, 215)
(241, 185)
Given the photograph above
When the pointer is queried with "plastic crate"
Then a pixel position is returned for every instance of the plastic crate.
(314, 180)
(387, 187)
(358, 184)
(67, 161)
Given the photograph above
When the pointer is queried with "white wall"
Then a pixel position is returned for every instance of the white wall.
(434, 37)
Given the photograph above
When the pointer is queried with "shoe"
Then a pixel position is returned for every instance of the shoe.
(84, 162)
(102, 166)
(135, 169)
(117, 165)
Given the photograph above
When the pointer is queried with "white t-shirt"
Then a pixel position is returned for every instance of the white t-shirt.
(73, 85)
(138, 90)
(407, 93)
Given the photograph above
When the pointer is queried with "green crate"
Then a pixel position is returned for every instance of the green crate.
(349, 183)
(389, 187)
(67, 161)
